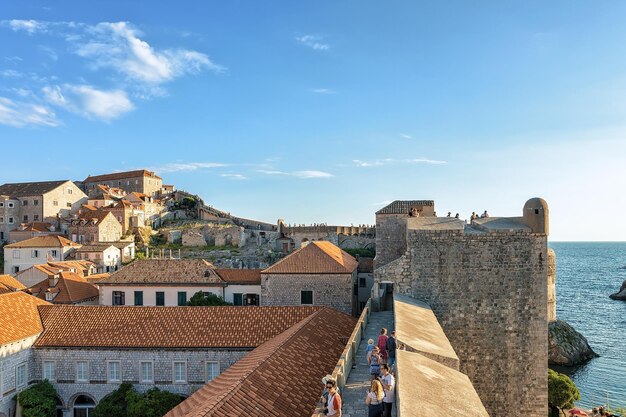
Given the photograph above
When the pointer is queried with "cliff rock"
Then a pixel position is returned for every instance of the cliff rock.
(566, 346)
(621, 294)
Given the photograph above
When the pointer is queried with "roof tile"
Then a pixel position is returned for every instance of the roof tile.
(319, 257)
(19, 318)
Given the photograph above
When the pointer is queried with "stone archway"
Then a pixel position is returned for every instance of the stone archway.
(83, 405)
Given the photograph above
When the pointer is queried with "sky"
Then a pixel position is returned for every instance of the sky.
(326, 111)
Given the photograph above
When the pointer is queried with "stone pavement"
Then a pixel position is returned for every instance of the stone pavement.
(358, 383)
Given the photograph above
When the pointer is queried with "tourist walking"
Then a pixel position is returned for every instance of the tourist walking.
(382, 344)
(369, 349)
(374, 399)
(391, 350)
(374, 362)
(389, 383)
(332, 402)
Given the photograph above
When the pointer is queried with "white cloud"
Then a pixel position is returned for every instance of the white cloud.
(28, 26)
(188, 166)
(391, 161)
(18, 114)
(425, 161)
(234, 176)
(11, 74)
(313, 42)
(406, 136)
(88, 101)
(298, 174)
(323, 91)
(118, 46)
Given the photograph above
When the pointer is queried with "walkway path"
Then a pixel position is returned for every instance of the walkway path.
(358, 383)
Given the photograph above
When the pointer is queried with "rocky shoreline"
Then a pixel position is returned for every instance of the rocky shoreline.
(621, 294)
(567, 347)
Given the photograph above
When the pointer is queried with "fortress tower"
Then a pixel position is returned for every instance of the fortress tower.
(487, 283)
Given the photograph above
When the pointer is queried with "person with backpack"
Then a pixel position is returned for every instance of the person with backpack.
(375, 361)
(332, 401)
(374, 399)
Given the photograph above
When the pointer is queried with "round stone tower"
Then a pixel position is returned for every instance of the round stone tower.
(536, 215)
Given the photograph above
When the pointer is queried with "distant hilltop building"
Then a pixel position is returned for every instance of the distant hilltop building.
(141, 181)
(487, 283)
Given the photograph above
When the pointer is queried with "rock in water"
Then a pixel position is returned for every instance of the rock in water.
(566, 346)
(621, 294)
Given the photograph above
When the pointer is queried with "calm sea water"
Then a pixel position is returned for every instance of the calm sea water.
(587, 273)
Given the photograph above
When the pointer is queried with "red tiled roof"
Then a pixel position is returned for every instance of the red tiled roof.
(165, 327)
(319, 257)
(280, 378)
(95, 216)
(240, 276)
(70, 288)
(11, 283)
(166, 271)
(34, 227)
(19, 318)
(121, 175)
(47, 241)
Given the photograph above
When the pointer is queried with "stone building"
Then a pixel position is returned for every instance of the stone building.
(317, 274)
(91, 226)
(37, 250)
(105, 256)
(487, 284)
(19, 328)
(27, 230)
(38, 202)
(292, 237)
(88, 351)
(141, 181)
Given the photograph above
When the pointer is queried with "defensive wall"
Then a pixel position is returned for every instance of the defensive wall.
(345, 237)
(487, 283)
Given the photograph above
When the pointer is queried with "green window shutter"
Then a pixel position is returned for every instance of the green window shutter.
(238, 299)
(182, 298)
(138, 298)
(160, 298)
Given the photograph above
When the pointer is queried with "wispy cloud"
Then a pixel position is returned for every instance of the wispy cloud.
(88, 101)
(18, 114)
(406, 136)
(234, 176)
(188, 166)
(298, 174)
(28, 26)
(392, 161)
(323, 91)
(313, 42)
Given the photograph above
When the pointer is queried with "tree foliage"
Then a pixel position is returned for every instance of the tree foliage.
(38, 400)
(362, 252)
(127, 402)
(562, 392)
(200, 299)
(114, 404)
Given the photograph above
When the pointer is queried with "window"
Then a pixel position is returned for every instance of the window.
(53, 253)
(306, 297)
(146, 370)
(69, 190)
(212, 370)
(35, 202)
(25, 218)
(10, 205)
(34, 253)
(16, 269)
(49, 370)
(138, 298)
(160, 298)
(182, 298)
(68, 204)
(1, 204)
(114, 371)
(180, 372)
(16, 254)
(1, 219)
(36, 217)
(49, 296)
(238, 299)
(10, 220)
(55, 203)
(82, 371)
(362, 283)
(20, 376)
(118, 298)
(25, 202)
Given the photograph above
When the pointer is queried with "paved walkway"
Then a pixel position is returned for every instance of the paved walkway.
(358, 383)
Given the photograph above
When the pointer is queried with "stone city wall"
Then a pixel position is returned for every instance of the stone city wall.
(551, 285)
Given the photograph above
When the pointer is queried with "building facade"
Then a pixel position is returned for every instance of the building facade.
(37, 250)
(92, 226)
(141, 181)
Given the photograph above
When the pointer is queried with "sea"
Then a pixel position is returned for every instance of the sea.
(587, 273)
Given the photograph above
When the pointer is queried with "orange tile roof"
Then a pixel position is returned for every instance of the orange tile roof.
(319, 257)
(166, 271)
(70, 288)
(280, 378)
(96, 278)
(4, 289)
(9, 282)
(47, 241)
(19, 318)
(96, 216)
(121, 175)
(240, 276)
(34, 227)
(165, 327)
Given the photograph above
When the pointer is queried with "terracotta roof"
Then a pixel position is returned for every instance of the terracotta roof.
(119, 244)
(404, 206)
(166, 271)
(27, 189)
(121, 175)
(34, 227)
(92, 216)
(366, 265)
(165, 327)
(240, 276)
(96, 278)
(70, 288)
(19, 318)
(282, 377)
(46, 241)
(95, 247)
(4, 289)
(11, 283)
(319, 257)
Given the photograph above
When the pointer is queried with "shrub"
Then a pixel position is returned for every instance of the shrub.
(562, 392)
(38, 400)
(114, 404)
(154, 403)
(199, 299)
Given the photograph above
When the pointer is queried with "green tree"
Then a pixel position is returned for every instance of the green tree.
(38, 400)
(199, 299)
(154, 403)
(115, 404)
(562, 392)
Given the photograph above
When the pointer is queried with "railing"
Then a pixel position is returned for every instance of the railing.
(348, 357)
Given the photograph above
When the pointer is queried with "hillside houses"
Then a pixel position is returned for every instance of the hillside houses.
(23, 255)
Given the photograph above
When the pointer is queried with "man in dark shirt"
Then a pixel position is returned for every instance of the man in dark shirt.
(391, 350)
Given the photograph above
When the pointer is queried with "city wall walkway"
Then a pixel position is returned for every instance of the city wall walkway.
(358, 382)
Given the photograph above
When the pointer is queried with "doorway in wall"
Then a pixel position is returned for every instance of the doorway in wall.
(83, 406)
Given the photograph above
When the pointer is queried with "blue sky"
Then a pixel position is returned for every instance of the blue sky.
(325, 111)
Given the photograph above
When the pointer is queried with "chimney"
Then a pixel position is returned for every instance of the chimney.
(53, 280)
